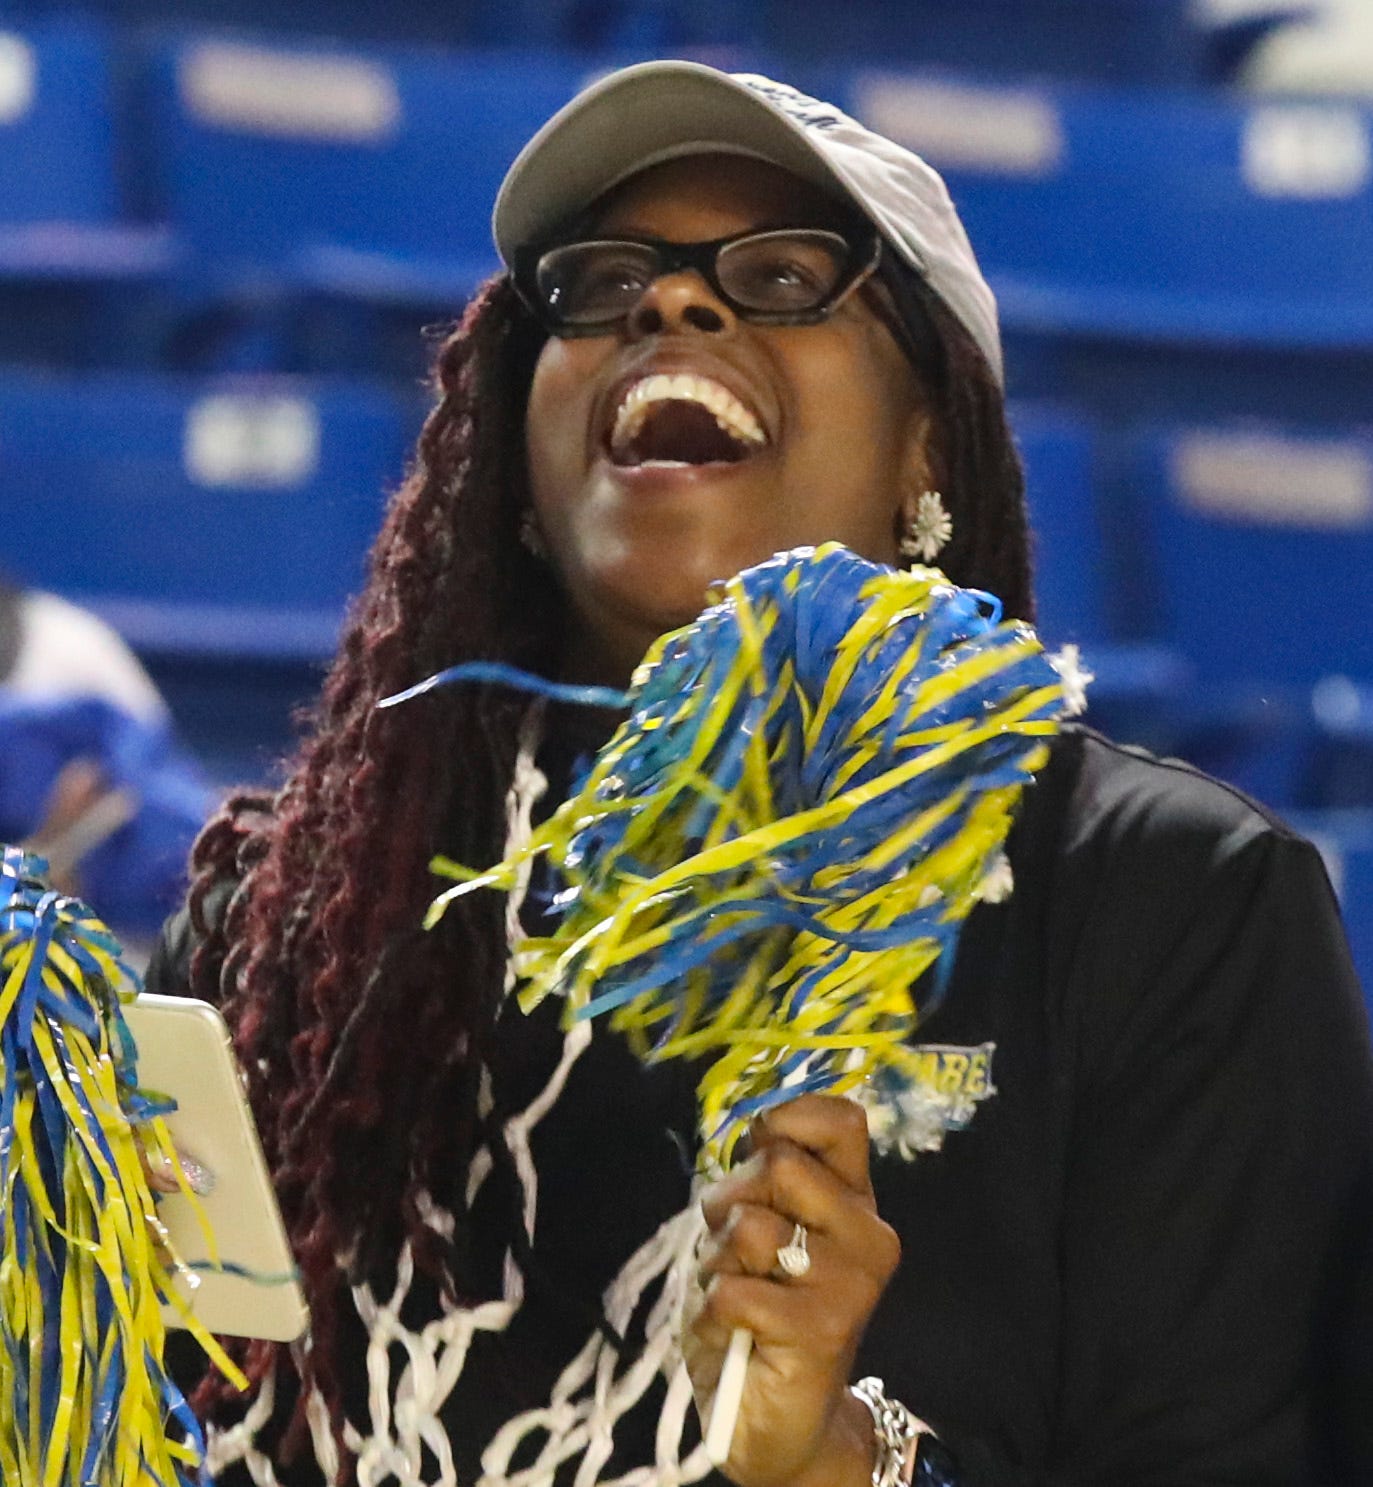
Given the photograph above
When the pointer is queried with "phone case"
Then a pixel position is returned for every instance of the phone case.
(184, 1050)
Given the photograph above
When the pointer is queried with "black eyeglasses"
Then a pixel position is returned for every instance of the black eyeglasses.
(781, 276)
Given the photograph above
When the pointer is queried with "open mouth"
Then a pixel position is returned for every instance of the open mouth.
(675, 420)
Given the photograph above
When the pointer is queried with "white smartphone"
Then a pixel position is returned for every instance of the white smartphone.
(185, 1051)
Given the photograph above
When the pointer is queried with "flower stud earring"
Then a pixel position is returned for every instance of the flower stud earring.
(929, 530)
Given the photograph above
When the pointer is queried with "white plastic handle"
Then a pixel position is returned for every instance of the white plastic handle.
(729, 1393)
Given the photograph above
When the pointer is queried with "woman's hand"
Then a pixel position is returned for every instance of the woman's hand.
(157, 1168)
(797, 1424)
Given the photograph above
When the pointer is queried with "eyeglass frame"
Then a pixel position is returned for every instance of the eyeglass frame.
(864, 257)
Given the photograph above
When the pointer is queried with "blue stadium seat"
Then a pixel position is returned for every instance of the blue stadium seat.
(449, 24)
(724, 30)
(1157, 219)
(1109, 39)
(1085, 581)
(1112, 40)
(1261, 544)
(1072, 584)
(65, 240)
(220, 525)
(225, 519)
(346, 174)
(61, 206)
(1263, 538)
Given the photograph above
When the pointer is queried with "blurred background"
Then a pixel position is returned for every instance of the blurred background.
(231, 230)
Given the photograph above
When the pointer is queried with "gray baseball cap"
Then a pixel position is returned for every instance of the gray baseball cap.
(656, 111)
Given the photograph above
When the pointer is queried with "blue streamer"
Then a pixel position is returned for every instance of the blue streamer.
(862, 735)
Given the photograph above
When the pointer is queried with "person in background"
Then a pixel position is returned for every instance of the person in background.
(734, 321)
(91, 775)
(51, 648)
(1322, 48)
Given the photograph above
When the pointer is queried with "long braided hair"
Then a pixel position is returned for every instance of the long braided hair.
(363, 1037)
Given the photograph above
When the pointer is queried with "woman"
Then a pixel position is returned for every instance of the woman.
(1145, 1259)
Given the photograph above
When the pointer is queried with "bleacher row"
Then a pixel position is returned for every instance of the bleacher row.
(218, 255)
(1157, 41)
(234, 173)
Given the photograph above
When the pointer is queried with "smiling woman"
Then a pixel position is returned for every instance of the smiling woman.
(645, 492)
(1136, 1243)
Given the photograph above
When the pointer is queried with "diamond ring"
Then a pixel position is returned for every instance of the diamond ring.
(793, 1258)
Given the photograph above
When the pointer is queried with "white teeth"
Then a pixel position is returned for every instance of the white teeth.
(733, 417)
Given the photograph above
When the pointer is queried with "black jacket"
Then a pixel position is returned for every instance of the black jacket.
(1148, 1258)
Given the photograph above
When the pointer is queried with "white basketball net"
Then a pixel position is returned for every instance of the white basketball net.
(404, 1432)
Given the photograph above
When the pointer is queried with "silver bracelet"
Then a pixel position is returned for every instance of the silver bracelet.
(897, 1431)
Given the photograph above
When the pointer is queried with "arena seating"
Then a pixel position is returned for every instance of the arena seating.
(1153, 216)
(1186, 282)
(1113, 40)
(336, 185)
(1105, 213)
(220, 524)
(207, 519)
(1143, 40)
(71, 261)
(61, 204)
(1259, 539)
(1263, 540)
(1086, 592)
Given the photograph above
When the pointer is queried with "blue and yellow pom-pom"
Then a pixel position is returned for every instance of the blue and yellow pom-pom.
(84, 1397)
(809, 796)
